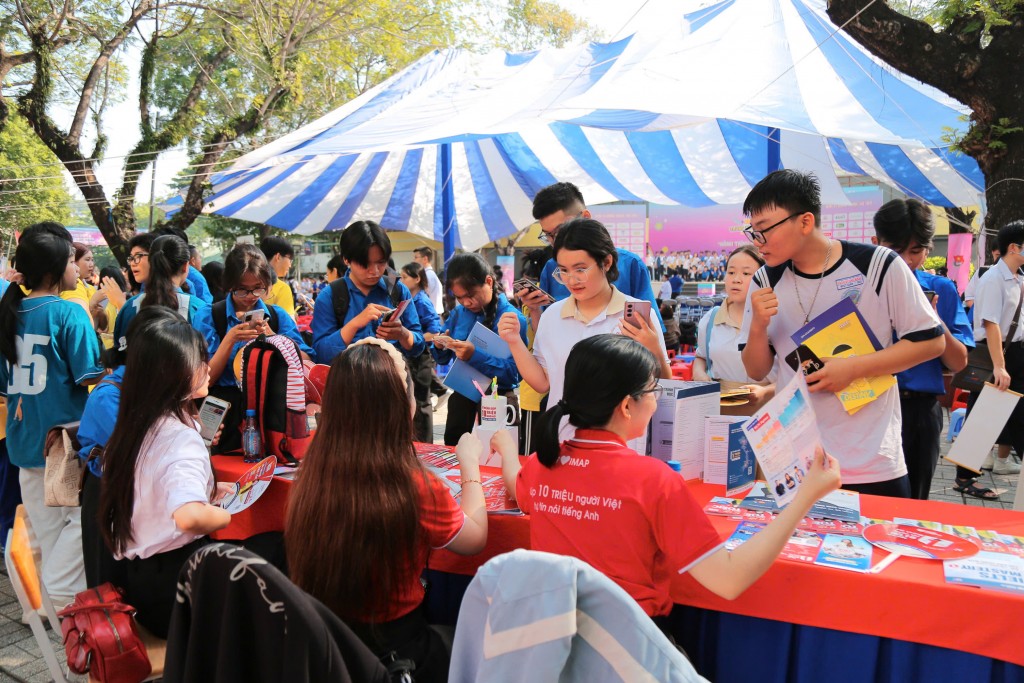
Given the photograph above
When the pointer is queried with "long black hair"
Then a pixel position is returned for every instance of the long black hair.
(471, 271)
(178, 350)
(168, 256)
(601, 371)
(41, 258)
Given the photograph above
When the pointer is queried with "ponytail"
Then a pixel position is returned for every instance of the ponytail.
(600, 373)
(42, 258)
(167, 256)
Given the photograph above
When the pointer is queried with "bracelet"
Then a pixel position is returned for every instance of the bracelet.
(471, 481)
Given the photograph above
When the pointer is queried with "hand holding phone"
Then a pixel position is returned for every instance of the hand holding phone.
(635, 309)
(211, 414)
(253, 318)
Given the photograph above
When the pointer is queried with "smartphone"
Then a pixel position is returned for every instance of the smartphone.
(635, 309)
(254, 317)
(930, 295)
(210, 416)
(395, 313)
(803, 358)
(530, 286)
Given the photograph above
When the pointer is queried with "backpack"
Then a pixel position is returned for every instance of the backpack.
(708, 327)
(219, 313)
(273, 385)
(339, 295)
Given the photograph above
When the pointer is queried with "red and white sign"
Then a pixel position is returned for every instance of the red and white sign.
(912, 541)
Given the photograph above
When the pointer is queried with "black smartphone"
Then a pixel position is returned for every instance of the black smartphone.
(930, 295)
(802, 358)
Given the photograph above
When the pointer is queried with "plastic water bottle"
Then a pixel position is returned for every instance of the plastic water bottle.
(252, 442)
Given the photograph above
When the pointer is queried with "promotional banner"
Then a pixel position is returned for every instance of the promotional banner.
(626, 223)
(958, 259)
(720, 228)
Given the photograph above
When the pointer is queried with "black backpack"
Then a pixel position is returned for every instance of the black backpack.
(219, 313)
(339, 295)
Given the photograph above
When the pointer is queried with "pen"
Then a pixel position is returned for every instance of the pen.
(479, 388)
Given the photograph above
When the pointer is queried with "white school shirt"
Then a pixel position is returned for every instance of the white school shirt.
(173, 469)
(559, 329)
(665, 293)
(435, 292)
(995, 300)
(726, 359)
(869, 443)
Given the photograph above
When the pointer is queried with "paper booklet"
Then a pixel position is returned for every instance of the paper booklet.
(840, 332)
(462, 375)
(987, 570)
(250, 486)
(677, 427)
(441, 462)
(730, 507)
(802, 546)
(845, 552)
(783, 435)
(839, 505)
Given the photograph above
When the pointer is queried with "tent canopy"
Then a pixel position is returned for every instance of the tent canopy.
(454, 147)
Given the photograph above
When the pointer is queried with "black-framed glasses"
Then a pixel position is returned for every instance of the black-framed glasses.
(757, 236)
(548, 238)
(135, 259)
(259, 293)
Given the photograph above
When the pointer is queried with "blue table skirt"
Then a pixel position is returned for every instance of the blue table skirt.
(727, 647)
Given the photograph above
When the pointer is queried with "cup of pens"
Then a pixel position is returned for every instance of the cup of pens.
(495, 412)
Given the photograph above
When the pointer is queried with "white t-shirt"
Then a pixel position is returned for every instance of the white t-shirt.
(173, 469)
(995, 300)
(435, 292)
(726, 359)
(559, 329)
(868, 444)
(665, 293)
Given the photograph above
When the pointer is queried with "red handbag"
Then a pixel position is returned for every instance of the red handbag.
(100, 637)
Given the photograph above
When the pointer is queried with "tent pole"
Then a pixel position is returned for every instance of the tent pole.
(774, 160)
(447, 204)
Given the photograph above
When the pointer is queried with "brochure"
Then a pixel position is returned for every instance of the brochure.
(840, 332)
(839, 505)
(441, 461)
(801, 547)
(462, 375)
(783, 435)
(677, 428)
(716, 448)
(741, 467)
(845, 552)
(250, 486)
(987, 570)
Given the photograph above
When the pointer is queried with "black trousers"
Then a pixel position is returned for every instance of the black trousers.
(99, 562)
(422, 370)
(462, 415)
(922, 428)
(231, 434)
(1013, 432)
(893, 488)
(409, 637)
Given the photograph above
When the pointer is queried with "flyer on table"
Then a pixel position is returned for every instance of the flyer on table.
(783, 436)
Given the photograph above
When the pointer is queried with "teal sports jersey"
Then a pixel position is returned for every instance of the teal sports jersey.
(57, 350)
(188, 308)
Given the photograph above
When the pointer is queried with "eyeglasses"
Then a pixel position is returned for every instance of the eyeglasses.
(548, 238)
(135, 259)
(578, 275)
(757, 236)
(657, 390)
(258, 293)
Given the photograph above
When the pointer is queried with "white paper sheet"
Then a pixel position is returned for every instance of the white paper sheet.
(982, 427)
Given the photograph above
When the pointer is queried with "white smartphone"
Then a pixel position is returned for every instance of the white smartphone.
(210, 416)
(635, 309)
(254, 317)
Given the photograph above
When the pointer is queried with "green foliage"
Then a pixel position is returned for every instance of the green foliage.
(933, 263)
(224, 232)
(976, 15)
(31, 187)
(979, 137)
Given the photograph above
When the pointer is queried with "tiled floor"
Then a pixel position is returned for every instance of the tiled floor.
(21, 660)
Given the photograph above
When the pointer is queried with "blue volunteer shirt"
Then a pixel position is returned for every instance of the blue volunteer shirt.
(460, 324)
(285, 326)
(99, 417)
(327, 341)
(188, 307)
(430, 321)
(927, 377)
(57, 350)
(634, 280)
(198, 285)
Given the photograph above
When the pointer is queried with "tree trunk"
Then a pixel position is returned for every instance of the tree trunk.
(1004, 185)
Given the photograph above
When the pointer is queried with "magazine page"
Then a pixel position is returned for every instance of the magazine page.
(845, 552)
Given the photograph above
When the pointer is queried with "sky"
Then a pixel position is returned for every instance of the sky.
(616, 18)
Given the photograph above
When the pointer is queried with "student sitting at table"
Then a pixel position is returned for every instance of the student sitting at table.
(365, 293)
(247, 278)
(644, 526)
(365, 513)
(472, 283)
(157, 490)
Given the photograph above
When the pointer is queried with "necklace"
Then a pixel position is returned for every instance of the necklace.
(807, 311)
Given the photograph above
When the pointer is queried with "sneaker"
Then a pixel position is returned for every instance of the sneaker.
(442, 400)
(989, 463)
(1007, 466)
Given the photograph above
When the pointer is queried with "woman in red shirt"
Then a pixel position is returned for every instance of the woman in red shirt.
(365, 512)
(632, 517)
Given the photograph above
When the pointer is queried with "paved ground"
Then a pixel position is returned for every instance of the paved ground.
(21, 660)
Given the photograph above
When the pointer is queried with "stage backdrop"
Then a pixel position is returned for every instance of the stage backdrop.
(714, 228)
(626, 223)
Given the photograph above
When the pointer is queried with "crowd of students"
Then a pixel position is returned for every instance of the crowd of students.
(365, 513)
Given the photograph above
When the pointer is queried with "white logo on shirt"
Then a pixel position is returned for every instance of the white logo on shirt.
(28, 377)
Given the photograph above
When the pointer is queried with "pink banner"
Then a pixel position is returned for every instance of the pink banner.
(958, 259)
(626, 223)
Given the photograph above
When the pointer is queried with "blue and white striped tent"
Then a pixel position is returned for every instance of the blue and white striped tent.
(454, 147)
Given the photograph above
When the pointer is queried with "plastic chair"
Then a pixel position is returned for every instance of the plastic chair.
(32, 596)
(956, 423)
(960, 399)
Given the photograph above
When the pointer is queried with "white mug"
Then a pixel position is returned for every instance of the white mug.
(496, 412)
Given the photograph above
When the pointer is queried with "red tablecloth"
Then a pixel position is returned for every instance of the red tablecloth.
(908, 601)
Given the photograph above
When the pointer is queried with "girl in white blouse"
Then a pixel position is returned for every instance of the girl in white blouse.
(158, 485)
